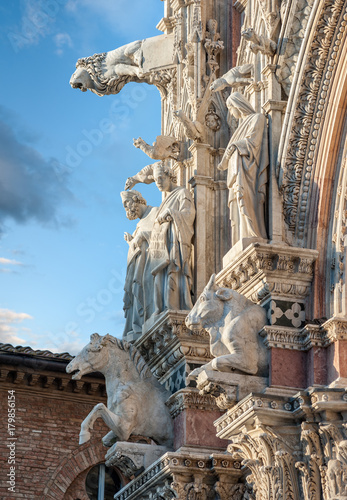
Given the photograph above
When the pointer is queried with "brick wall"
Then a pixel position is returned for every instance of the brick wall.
(49, 463)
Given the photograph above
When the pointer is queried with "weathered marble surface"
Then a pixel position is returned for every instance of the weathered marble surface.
(233, 323)
(246, 159)
(135, 400)
(169, 252)
(136, 277)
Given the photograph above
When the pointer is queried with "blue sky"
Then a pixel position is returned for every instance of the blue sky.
(64, 158)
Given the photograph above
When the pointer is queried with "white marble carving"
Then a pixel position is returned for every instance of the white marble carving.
(169, 252)
(259, 43)
(193, 130)
(108, 72)
(239, 76)
(233, 323)
(135, 400)
(163, 148)
(170, 245)
(134, 298)
(246, 158)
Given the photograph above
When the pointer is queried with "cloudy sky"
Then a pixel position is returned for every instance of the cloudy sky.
(64, 158)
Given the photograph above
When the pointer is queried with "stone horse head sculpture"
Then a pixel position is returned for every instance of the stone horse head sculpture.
(135, 399)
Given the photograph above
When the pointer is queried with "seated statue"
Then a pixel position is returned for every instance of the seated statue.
(246, 158)
(134, 301)
(169, 252)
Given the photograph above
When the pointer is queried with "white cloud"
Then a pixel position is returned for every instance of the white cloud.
(10, 262)
(62, 40)
(10, 330)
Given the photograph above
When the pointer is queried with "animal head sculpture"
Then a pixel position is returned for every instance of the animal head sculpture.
(95, 356)
(209, 308)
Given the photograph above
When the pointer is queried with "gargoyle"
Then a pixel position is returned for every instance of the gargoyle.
(260, 43)
(163, 148)
(193, 130)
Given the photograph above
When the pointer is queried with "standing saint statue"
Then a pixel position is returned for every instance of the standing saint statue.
(246, 158)
(134, 297)
(169, 252)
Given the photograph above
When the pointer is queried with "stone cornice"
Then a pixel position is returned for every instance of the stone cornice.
(336, 329)
(190, 399)
(264, 269)
(167, 341)
(312, 335)
(176, 470)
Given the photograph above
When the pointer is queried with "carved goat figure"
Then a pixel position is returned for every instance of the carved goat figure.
(135, 399)
(233, 323)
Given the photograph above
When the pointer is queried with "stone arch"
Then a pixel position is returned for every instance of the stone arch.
(312, 142)
(326, 206)
(318, 69)
(70, 467)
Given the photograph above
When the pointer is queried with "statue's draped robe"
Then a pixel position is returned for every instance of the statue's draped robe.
(169, 254)
(134, 300)
(247, 178)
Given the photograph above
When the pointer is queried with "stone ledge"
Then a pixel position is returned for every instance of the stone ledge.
(190, 399)
(229, 388)
(263, 270)
(166, 342)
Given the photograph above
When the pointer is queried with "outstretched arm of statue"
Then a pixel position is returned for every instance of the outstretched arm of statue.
(145, 176)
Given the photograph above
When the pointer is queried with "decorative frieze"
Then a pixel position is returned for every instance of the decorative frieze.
(283, 460)
(167, 345)
(190, 399)
(262, 270)
(312, 335)
(187, 475)
(318, 73)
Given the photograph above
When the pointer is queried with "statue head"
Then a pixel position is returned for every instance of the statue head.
(164, 177)
(134, 204)
(238, 105)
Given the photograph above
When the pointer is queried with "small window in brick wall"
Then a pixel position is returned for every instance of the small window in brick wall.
(102, 483)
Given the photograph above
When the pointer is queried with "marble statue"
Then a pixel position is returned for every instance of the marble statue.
(134, 300)
(163, 148)
(169, 252)
(233, 323)
(239, 76)
(140, 61)
(135, 399)
(92, 72)
(246, 158)
(259, 43)
(193, 130)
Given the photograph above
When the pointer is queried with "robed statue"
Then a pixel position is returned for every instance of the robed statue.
(169, 251)
(246, 158)
(137, 271)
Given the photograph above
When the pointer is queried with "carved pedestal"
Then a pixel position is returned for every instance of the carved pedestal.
(278, 278)
(229, 388)
(133, 458)
(171, 350)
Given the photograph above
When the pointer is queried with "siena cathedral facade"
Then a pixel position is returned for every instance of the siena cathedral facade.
(234, 354)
